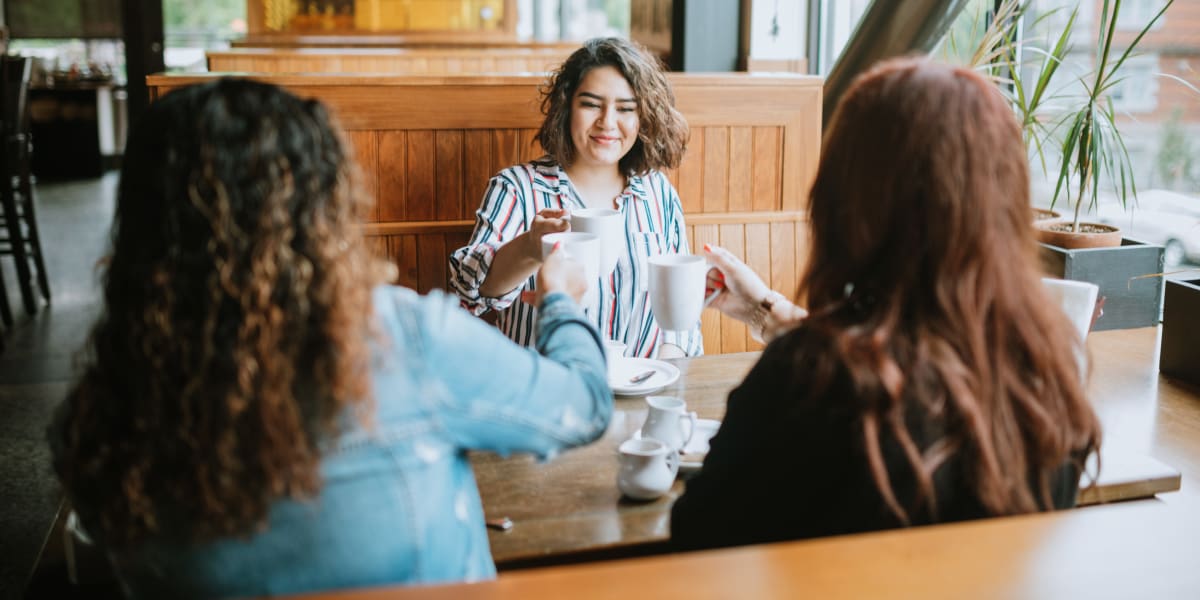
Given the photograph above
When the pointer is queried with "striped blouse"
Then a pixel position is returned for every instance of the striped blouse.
(621, 311)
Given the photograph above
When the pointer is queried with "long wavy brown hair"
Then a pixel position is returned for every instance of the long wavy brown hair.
(923, 287)
(663, 133)
(235, 323)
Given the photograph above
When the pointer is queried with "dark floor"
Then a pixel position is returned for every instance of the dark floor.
(36, 364)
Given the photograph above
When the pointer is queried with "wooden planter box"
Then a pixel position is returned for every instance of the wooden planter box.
(1180, 353)
(1129, 302)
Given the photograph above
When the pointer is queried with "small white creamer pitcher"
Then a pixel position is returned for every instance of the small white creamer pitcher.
(669, 421)
(648, 468)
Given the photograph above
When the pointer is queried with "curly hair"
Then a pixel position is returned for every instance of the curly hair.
(663, 132)
(954, 332)
(235, 323)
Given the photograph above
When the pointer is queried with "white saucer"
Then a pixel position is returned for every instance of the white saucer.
(623, 369)
(697, 447)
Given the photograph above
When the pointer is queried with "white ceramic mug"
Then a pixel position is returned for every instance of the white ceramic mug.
(608, 225)
(583, 248)
(669, 421)
(1077, 300)
(648, 468)
(677, 290)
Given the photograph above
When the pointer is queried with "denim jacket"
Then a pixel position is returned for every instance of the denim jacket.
(399, 502)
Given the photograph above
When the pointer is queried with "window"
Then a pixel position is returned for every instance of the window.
(1136, 13)
(1137, 92)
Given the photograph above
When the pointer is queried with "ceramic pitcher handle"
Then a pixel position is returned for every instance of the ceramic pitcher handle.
(691, 417)
(673, 462)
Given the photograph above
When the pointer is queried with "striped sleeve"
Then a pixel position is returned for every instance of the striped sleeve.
(500, 218)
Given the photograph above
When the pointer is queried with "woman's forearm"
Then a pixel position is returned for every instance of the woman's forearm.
(512, 265)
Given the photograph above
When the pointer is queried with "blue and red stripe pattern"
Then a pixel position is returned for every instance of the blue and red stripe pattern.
(621, 311)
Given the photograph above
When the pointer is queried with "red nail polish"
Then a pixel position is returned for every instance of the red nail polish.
(557, 245)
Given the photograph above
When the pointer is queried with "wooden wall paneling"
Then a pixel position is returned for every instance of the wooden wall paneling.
(716, 171)
(477, 169)
(403, 249)
(432, 259)
(741, 166)
(785, 258)
(506, 151)
(688, 179)
(393, 148)
(801, 148)
(710, 320)
(420, 189)
(379, 247)
(767, 154)
(803, 235)
(449, 174)
(528, 146)
(733, 332)
(365, 145)
(760, 259)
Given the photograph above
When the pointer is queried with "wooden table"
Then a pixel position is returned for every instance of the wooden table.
(569, 509)
(1131, 550)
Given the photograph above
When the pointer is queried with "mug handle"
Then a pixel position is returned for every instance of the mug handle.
(691, 417)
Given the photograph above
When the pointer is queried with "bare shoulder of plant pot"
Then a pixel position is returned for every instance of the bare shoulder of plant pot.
(1132, 298)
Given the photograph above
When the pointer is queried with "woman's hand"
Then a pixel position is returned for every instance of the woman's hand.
(742, 294)
(548, 220)
(739, 290)
(560, 273)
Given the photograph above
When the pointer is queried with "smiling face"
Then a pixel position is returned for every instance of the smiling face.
(604, 118)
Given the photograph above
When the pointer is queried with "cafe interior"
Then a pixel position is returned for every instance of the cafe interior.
(435, 97)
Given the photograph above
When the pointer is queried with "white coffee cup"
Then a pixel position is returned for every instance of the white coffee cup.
(669, 421)
(648, 468)
(1077, 300)
(609, 226)
(583, 248)
(677, 290)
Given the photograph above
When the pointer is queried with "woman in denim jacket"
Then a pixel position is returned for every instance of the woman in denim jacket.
(257, 415)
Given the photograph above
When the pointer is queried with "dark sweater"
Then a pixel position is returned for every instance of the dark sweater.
(783, 467)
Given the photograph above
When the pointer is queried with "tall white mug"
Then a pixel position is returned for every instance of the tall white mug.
(582, 247)
(669, 421)
(1077, 299)
(608, 225)
(677, 290)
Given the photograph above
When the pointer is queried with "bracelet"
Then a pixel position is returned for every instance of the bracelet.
(758, 321)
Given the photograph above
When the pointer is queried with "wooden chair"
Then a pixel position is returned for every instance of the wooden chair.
(21, 239)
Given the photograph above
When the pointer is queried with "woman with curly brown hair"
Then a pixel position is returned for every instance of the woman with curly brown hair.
(610, 128)
(932, 380)
(257, 414)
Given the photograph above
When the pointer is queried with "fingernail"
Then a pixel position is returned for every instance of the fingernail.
(557, 245)
(708, 247)
(721, 276)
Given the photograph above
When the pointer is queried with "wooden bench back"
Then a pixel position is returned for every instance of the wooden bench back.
(397, 61)
(427, 146)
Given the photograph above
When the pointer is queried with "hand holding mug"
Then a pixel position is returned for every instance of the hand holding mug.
(546, 221)
(560, 273)
(739, 290)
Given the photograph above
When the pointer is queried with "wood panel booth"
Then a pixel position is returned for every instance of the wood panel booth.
(419, 60)
(428, 145)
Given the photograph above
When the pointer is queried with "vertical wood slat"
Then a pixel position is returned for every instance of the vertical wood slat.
(365, 145)
(716, 174)
(733, 332)
(477, 169)
(392, 146)
(528, 146)
(449, 174)
(420, 194)
(741, 164)
(431, 262)
(767, 158)
(688, 179)
(505, 152)
(404, 255)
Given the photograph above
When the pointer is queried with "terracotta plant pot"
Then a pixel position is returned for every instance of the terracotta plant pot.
(1090, 235)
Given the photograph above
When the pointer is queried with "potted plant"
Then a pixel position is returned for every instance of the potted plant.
(1090, 150)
